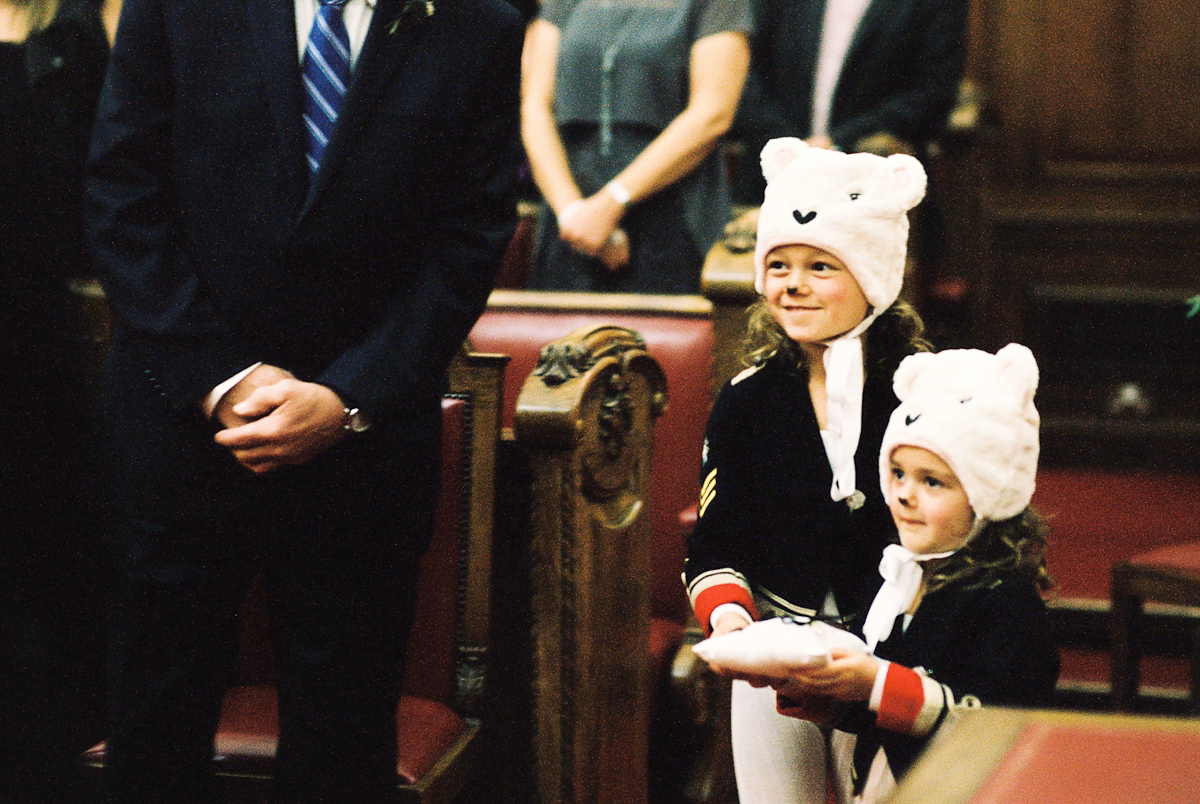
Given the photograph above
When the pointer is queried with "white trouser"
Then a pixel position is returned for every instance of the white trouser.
(783, 760)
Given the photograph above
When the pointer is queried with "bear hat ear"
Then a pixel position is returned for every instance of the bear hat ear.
(778, 153)
(1019, 369)
(908, 179)
(907, 373)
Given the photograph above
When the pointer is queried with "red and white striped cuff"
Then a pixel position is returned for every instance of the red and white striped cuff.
(715, 588)
(908, 702)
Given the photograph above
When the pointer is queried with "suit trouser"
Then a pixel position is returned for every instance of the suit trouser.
(336, 543)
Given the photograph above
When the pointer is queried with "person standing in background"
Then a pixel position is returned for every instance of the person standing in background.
(623, 105)
(297, 209)
(52, 522)
(854, 75)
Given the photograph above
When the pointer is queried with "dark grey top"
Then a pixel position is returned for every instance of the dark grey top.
(649, 42)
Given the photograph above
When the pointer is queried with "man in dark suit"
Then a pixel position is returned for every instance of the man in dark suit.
(850, 73)
(283, 321)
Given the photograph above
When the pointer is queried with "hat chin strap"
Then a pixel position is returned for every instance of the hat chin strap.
(902, 573)
(844, 378)
(858, 329)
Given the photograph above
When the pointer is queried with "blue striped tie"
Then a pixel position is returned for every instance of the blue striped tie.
(326, 76)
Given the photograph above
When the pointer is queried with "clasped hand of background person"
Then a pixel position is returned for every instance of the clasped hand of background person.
(589, 225)
(272, 419)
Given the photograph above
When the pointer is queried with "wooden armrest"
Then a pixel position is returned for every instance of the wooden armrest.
(586, 414)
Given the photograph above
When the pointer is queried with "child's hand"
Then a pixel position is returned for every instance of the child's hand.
(727, 623)
(820, 709)
(847, 676)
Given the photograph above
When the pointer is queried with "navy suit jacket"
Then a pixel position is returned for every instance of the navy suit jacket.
(215, 252)
(901, 72)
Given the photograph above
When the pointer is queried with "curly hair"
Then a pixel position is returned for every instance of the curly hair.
(1015, 545)
(897, 332)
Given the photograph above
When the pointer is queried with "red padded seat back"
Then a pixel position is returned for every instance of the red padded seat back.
(1183, 560)
(683, 347)
(255, 664)
(432, 641)
(1098, 519)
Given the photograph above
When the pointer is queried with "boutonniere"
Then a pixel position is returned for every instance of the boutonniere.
(420, 8)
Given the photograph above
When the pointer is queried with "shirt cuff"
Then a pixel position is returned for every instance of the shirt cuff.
(210, 402)
(911, 703)
(877, 691)
(724, 607)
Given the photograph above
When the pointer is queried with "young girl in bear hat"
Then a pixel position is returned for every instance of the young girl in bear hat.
(791, 519)
(960, 598)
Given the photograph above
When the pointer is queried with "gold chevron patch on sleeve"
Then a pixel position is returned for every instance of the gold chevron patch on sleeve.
(708, 491)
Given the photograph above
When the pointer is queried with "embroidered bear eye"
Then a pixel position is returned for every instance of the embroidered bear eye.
(965, 401)
(854, 196)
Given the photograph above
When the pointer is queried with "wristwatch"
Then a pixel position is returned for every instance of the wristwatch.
(355, 421)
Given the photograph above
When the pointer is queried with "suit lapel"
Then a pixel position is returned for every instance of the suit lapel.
(812, 19)
(388, 43)
(873, 18)
(274, 25)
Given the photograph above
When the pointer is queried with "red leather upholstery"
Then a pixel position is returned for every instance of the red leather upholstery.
(1099, 519)
(425, 730)
(250, 731)
(1182, 560)
(683, 346)
(431, 655)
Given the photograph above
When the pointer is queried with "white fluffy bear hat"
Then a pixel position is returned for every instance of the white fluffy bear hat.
(855, 206)
(975, 411)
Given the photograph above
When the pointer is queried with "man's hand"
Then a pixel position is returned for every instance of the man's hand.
(286, 423)
(261, 376)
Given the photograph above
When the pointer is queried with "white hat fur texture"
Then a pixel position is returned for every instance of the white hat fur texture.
(852, 205)
(975, 411)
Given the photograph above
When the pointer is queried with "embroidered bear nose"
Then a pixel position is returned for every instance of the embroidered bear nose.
(805, 218)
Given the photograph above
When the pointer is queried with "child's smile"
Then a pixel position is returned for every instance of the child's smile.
(812, 294)
(928, 504)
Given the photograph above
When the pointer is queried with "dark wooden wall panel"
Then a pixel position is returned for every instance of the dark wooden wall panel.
(1164, 79)
(1104, 81)
(1083, 201)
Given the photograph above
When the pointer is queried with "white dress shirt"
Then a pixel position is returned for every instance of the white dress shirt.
(356, 14)
(841, 21)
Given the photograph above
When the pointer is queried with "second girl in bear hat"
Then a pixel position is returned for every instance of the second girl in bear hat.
(960, 598)
(791, 517)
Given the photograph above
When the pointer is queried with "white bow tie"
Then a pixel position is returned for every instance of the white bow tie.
(902, 572)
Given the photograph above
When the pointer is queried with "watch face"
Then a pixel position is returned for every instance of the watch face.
(357, 421)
